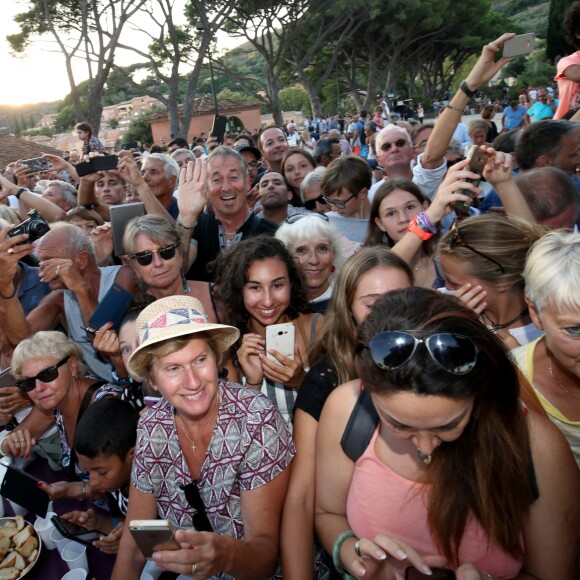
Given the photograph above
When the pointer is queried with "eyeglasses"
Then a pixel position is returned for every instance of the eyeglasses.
(399, 143)
(297, 217)
(145, 258)
(457, 240)
(199, 518)
(48, 375)
(311, 203)
(339, 203)
(454, 353)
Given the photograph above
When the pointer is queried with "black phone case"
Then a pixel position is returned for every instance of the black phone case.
(111, 308)
(83, 536)
(22, 488)
(219, 128)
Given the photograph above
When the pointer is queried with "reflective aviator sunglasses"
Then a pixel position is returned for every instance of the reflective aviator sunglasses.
(454, 353)
(145, 258)
(27, 384)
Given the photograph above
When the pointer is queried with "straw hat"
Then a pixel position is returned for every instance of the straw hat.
(176, 316)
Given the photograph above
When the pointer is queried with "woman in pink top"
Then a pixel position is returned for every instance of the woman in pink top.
(457, 473)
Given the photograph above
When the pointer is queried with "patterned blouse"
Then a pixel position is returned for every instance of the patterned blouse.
(250, 446)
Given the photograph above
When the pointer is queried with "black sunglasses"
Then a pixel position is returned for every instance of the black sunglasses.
(145, 258)
(454, 353)
(311, 203)
(399, 143)
(199, 518)
(339, 203)
(297, 217)
(27, 384)
(457, 240)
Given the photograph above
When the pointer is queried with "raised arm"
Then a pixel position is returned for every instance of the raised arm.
(484, 70)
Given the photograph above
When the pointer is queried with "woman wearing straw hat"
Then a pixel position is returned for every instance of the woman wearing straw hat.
(211, 456)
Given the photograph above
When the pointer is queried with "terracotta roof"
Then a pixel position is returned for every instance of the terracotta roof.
(13, 148)
(205, 105)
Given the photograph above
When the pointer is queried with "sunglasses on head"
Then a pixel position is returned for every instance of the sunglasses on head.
(297, 217)
(457, 240)
(145, 258)
(454, 353)
(311, 203)
(399, 143)
(48, 375)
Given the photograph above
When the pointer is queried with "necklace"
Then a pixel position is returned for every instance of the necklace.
(495, 327)
(565, 389)
(193, 445)
(424, 457)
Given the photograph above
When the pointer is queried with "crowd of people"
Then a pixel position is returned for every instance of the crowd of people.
(426, 413)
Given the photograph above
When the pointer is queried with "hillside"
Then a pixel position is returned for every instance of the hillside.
(529, 15)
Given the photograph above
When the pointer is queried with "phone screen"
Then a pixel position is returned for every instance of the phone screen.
(437, 574)
(76, 532)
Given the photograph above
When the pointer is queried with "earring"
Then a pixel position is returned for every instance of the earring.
(141, 286)
(385, 239)
(186, 287)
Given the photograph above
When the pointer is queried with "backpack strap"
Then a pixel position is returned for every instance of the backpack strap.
(360, 427)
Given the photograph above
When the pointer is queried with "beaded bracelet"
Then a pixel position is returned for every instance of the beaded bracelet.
(425, 223)
(454, 108)
(414, 228)
(336, 553)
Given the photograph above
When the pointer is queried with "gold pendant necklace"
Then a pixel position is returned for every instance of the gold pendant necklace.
(565, 389)
(193, 445)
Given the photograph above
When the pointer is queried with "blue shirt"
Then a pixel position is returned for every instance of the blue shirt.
(513, 119)
(541, 111)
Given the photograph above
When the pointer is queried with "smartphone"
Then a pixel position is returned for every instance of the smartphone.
(519, 45)
(219, 128)
(477, 160)
(22, 488)
(99, 163)
(75, 532)
(280, 337)
(438, 574)
(153, 535)
(6, 380)
(111, 308)
(37, 164)
(121, 215)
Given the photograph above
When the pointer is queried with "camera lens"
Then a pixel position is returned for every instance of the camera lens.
(37, 229)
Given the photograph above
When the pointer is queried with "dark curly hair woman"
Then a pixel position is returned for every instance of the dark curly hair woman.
(260, 285)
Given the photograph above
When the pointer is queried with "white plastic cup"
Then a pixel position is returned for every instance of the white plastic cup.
(59, 540)
(75, 555)
(18, 509)
(44, 527)
(76, 574)
(151, 571)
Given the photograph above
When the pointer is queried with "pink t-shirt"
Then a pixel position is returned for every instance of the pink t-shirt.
(569, 94)
(382, 502)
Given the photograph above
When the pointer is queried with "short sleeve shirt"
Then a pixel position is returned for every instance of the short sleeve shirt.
(250, 446)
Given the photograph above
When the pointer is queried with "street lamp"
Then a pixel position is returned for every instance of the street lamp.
(202, 30)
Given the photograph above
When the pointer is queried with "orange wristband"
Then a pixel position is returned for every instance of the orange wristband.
(415, 229)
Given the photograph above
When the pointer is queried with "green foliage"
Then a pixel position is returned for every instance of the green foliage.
(113, 123)
(557, 43)
(66, 118)
(138, 130)
(295, 99)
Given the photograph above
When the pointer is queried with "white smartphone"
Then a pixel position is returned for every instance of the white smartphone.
(152, 536)
(280, 337)
(519, 45)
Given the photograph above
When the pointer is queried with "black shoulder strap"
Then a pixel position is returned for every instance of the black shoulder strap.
(360, 427)
(255, 222)
(84, 406)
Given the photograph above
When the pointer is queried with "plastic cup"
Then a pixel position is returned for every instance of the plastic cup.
(76, 574)
(44, 527)
(151, 571)
(18, 509)
(75, 555)
(59, 540)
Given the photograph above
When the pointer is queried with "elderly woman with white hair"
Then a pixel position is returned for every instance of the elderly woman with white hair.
(315, 245)
(211, 457)
(551, 363)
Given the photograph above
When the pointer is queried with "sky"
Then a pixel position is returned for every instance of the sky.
(40, 76)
